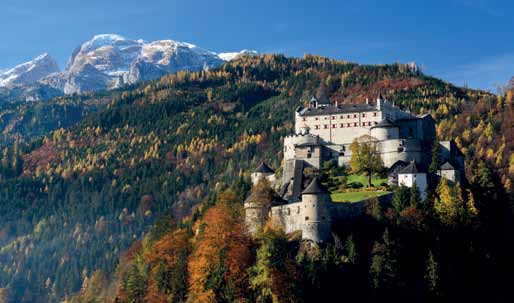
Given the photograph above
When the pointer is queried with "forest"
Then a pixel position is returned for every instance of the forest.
(135, 195)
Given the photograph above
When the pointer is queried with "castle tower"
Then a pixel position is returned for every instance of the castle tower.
(316, 205)
(411, 175)
(256, 213)
(263, 171)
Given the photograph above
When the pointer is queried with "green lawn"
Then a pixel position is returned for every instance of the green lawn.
(364, 180)
(356, 196)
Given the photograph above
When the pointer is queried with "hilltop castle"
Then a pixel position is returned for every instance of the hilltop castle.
(323, 132)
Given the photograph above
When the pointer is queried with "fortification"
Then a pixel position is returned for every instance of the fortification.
(323, 132)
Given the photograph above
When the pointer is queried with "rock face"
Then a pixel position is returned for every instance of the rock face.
(110, 61)
(29, 72)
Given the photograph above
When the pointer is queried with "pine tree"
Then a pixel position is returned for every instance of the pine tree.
(434, 165)
(383, 269)
(415, 197)
(432, 275)
(351, 250)
(401, 198)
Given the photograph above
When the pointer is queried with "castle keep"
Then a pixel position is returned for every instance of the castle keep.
(323, 132)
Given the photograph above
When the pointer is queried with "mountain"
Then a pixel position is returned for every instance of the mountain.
(29, 72)
(74, 201)
(235, 55)
(106, 62)
(111, 61)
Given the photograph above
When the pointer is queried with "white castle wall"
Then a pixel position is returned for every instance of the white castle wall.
(340, 128)
(420, 179)
(289, 217)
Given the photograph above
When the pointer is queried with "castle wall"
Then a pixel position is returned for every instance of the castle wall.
(289, 217)
(340, 128)
(393, 151)
(409, 179)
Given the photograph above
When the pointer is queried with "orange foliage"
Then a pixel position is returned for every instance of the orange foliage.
(222, 243)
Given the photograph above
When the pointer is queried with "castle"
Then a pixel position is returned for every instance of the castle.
(324, 132)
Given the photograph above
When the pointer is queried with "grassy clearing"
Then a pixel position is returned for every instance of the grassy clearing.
(364, 180)
(357, 196)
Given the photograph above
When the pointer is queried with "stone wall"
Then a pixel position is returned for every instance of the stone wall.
(289, 217)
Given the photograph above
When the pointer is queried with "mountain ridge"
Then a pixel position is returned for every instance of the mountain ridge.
(108, 61)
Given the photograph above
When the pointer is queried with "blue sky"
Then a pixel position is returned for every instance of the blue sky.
(463, 41)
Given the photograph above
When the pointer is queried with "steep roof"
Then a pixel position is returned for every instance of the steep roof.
(385, 124)
(410, 169)
(447, 166)
(315, 188)
(264, 169)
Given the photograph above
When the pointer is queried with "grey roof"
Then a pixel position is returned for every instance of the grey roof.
(385, 124)
(308, 144)
(339, 109)
(410, 169)
(256, 198)
(447, 166)
(264, 169)
(315, 188)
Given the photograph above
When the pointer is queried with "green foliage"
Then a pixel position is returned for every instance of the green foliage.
(401, 198)
(383, 268)
(366, 158)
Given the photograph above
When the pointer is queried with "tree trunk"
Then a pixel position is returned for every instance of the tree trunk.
(369, 178)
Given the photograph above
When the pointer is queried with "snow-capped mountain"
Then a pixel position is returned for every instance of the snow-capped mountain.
(29, 72)
(235, 55)
(110, 61)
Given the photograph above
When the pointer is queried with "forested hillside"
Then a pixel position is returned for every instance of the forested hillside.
(73, 202)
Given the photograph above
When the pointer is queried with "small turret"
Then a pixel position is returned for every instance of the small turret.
(380, 100)
(263, 171)
(316, 203)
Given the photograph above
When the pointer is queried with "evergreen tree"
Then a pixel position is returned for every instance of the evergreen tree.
(432, 275)
(415, 197)
(434, 165)
(401, 198)
(351, 250)
(383, 269)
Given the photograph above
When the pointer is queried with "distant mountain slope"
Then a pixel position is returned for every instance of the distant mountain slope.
(73, 201)
(29, 72)
(105, 62)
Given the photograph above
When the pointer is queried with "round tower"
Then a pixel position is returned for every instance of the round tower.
(263, 172)
(385, 130)
(256, 213)
(316, 203)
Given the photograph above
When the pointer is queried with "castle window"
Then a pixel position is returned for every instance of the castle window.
(304, 119)
(298, 210)
(326, 118)
(334, 125)
(325, 126)
(375, 114)
(288, 211)
(342, 125)
(363, 115)
(355, 124)
(342, 117)
(376, 122)
(333, 117)
(348, 116)
(316, 126)
(306, 218)
(349, 125)
(355, 115)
